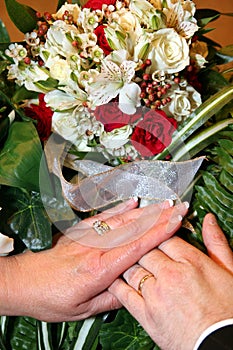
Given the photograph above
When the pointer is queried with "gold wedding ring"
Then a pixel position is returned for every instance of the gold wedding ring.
(142, 281)
(101, 227)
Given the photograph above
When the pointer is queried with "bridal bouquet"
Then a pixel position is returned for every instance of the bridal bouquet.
(122, 83)
(120, 76)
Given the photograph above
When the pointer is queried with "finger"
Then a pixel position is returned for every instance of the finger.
(130, 225)
(216, 243)
(117, 260)
(155, 261)
(103, 302)
(121, 208)
(130, 299)
(138, 277)
(179, 250)
(124, 216)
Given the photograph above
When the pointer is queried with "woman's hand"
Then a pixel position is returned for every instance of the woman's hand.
(187, 292)
(70, 280)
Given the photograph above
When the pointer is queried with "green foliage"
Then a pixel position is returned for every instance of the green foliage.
(124, 333)
(29, 220)
(20, 157)
(214, 193)
(4, 36)
(205, 16)
(23, 16)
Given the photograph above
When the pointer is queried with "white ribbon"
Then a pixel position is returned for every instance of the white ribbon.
(99, 185)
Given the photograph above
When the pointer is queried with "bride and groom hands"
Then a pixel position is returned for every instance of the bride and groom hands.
(70, 281)
(187, 292)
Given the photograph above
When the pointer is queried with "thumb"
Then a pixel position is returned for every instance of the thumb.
(216, 243)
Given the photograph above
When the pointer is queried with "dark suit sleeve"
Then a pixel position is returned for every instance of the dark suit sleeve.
(220, 339)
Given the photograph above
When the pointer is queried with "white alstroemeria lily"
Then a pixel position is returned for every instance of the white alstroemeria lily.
(68, 97)
(147, 13)
(33, 75)
(116, 79)
(179, 16)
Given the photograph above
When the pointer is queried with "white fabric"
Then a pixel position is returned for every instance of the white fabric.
(211, 329)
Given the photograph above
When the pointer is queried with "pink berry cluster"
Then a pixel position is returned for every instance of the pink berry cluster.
(154, 91)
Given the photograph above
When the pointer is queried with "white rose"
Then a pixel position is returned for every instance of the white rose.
(116, 138)
(168, 51)
(60, 70)
(127, 21)
(183, 102)
(65, 125)
(73, 9)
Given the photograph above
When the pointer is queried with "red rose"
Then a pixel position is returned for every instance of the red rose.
(153, 133)
(43, 116)
(97, 4)
(112, 117)
(101, 40)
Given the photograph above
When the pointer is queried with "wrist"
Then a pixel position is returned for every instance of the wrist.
(9, 286)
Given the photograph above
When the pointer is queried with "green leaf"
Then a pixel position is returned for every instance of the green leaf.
(20, 157)
(226, 51)
(47, 85)
(4, 127)
(200, 141)
(23, 16)
(124, 333)
(212, 82)
(28, 218)
(204, 16)
(24, 334)
(22, 93)
(4, 36)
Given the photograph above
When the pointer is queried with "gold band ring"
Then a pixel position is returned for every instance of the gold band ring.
(101, 227)
(142, 281)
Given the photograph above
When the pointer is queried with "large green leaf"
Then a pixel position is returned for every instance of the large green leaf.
(20, 157)
(23, 16)
(124, 333)
(26, 217)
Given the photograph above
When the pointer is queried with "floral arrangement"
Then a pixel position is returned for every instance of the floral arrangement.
(130, 80)
(120, 77)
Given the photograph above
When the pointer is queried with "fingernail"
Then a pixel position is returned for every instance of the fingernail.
(173, 222)
(212, 220)
(168, 203)
(186, 204)
(135, 199)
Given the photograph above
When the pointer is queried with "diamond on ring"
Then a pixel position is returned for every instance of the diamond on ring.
(101, 227)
